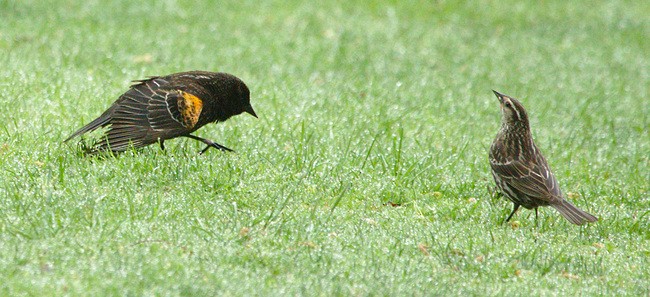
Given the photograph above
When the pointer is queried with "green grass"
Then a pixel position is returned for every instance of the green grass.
(361, 103)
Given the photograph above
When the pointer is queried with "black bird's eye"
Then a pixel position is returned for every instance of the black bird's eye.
(508, 104)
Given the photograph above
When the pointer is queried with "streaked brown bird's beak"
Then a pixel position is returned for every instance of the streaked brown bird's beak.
(499, 96)
(249, 109)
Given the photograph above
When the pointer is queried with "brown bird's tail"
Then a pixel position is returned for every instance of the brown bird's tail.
(573, 214)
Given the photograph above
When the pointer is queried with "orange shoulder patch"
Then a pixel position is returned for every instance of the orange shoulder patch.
(190, 107)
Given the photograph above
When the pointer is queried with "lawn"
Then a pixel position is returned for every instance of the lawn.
(366, 172)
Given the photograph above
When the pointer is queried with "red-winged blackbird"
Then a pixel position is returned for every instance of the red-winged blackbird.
(164, 107)
(519, 169)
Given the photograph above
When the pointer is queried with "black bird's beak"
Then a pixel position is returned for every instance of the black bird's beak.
(249, 109)
(499, 96)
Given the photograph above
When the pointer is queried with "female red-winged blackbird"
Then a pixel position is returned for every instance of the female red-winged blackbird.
(164, 107)
(519, 169)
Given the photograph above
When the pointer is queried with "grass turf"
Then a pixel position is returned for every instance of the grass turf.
(363, 105)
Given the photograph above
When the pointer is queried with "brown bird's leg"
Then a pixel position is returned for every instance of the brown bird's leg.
(210, 144)
(512, 213)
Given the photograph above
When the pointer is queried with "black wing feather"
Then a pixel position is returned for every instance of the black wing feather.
(101, 121)
(146, 112)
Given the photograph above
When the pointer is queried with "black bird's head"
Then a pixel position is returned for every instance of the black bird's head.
(512, 112)
(230, 94)
(244, 98)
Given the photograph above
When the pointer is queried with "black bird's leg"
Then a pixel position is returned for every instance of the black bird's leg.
(162, 144)
(536, 217)
(210, 144)
(512, 213)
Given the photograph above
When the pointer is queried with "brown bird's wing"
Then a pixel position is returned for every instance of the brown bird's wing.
(533, 179)
(151, 110)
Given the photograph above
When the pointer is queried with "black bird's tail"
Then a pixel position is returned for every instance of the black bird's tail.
(98, 122)
(573, 214)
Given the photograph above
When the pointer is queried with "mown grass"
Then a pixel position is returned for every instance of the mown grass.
(367, 171)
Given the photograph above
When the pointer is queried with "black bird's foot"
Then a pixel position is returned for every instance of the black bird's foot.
(210, 144)
(217, 146)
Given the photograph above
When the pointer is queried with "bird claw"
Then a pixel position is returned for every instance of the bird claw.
(217, 146)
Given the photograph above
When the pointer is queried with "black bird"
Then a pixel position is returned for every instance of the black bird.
(164, 107)
(519, 169)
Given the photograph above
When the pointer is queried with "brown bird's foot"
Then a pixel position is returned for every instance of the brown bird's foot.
(210, 144)
(512, 213)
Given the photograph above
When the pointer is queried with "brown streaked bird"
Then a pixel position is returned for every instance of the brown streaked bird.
(519, 169)
(164, 107)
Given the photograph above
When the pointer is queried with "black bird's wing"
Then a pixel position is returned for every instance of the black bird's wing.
(532, 178)
(152, 109)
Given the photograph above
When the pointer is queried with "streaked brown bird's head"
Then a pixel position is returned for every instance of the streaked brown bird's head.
(512, 111)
